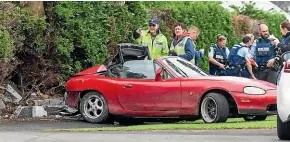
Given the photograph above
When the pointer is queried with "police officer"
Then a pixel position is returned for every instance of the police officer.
(218, 56)
(153, 38)
(284, 45)
(193, 33)
(264, 54)
(239, 58)
(182, 44)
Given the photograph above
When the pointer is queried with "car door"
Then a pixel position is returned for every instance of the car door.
(149, 95)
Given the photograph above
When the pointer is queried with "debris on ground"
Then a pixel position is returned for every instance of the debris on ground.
(2, 105)
(37, 105)
(11, 94)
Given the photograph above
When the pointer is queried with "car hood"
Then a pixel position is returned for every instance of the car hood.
(93, 70)
(240, 81)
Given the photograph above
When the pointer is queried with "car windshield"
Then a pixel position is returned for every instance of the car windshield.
(139, 69)
(183, 68)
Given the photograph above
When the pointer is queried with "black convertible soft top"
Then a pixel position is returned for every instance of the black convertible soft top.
(127, 52)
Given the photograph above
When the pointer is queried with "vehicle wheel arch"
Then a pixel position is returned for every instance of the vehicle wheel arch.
(225, 93)
(84, 92)
(87, 95)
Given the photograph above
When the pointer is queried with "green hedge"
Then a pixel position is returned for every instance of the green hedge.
(6, 45)
(271, 18)
(210, 17)
(84, 34)
(89, 31)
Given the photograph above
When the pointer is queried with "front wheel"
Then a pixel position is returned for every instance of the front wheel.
(94, 107)
(283, 129)
(214, 108)
(255, 118)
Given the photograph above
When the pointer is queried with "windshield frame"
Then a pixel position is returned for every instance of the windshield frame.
(193, 67)
(141, 67)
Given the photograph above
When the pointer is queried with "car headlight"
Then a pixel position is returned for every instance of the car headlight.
(254, 91)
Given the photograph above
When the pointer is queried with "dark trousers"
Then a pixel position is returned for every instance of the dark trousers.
(268, 74)
(245, 73)
(217, 72)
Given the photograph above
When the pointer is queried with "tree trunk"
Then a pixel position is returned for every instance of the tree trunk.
(36, 7)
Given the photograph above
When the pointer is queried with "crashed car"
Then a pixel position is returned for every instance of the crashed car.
(131, 84)
(283, 99)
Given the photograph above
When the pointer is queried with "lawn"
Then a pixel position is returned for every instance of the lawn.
(233, 123)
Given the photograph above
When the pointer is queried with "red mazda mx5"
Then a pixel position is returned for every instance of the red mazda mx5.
(131, 84)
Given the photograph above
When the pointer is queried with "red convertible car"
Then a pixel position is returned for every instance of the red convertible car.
(131, 84)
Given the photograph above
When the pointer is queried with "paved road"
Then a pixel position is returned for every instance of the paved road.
(47, 123)
(29, 131)
(153, 136)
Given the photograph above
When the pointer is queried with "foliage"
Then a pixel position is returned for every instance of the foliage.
(88, 31)
(23, 47)
(210, 17)
(40, 53)
(6, 46)
(271, 18)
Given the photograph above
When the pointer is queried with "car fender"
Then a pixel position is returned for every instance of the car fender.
(107, 87)
(220, 90)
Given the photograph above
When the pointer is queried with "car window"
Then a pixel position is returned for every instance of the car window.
(138, 69)
(157, 66)
(165, 75)
(183, 68)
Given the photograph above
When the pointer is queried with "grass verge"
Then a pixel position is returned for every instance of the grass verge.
(233, 123)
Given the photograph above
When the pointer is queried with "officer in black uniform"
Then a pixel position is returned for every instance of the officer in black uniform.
(284, 45)
(218, 56)
(264, 54)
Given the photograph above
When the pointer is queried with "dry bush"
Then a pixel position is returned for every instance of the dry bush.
(244, 24)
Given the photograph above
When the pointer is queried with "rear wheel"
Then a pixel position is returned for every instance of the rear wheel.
(214, 108)
(283, 129)
(255, 118)
(94, 107)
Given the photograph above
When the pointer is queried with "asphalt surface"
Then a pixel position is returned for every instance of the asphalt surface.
(30, 131)
(151, 136)
(47, 123)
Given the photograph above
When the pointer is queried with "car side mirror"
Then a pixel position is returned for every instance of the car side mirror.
(158, 75)
(285, 56)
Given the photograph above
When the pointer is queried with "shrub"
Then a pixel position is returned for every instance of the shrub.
(89, 31)
(271, 18)
(210, 17)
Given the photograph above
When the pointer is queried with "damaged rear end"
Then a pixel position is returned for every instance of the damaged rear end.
(82, 81)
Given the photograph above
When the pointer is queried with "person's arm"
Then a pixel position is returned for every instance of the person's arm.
(248, 56)
(189, 50)
(249, 67)
(197, 54)
(212, 60)
(137, 35)
(165, 49)
(284, 47)
(227, 52)
(253, 50)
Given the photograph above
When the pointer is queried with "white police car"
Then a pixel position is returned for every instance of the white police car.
(283, 100)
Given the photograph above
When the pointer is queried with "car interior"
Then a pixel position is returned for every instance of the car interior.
(120, 71)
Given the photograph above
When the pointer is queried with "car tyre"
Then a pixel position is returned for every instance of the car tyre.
(94, 108)
(283, 129)
(255, 118)
(214, 108)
